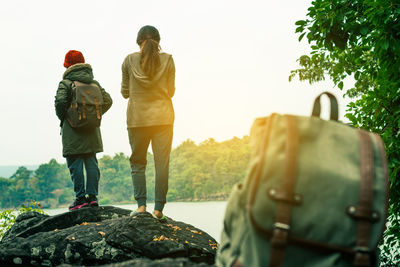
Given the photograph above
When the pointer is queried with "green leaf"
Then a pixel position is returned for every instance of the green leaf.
(301, 36)
(340, 85)
(385, 44)
(301, 22)
(299, 29)
(364, 30)
(352, 118)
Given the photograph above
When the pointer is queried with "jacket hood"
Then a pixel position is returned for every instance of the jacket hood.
(142, 78)
(81, 72)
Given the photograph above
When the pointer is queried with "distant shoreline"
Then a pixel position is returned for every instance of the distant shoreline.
(133, 202)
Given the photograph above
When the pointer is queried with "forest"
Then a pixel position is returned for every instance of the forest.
(206, 171)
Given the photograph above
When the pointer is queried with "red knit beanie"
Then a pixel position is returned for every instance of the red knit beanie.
(73, 57)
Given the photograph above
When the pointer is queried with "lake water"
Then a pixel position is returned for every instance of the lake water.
(207, 216)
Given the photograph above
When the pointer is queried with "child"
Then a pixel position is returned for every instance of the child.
(80, 146)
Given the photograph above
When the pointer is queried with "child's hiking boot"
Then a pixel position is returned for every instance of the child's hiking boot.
(92, 201)
(79, 203)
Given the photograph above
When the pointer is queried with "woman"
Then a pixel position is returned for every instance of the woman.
(148, 80)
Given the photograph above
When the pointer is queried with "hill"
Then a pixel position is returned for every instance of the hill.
(7, 170)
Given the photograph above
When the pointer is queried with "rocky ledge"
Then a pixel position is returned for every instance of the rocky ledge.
(104, 236)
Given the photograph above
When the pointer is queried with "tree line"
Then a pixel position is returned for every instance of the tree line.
(206, 171)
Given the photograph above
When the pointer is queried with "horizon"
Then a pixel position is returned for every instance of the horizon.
(232, 63)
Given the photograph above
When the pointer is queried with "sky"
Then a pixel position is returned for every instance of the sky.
(232, 60)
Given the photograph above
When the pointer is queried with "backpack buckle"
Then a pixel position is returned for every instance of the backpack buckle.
(282, 226)
(359, 249)
(280, 235)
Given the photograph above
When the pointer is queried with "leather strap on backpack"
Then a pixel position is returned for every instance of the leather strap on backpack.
(96, 102)
(285, 195)
(363, 213)
(334, 106)
(281, 229)
(386, 176)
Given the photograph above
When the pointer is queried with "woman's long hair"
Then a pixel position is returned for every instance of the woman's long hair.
(149, 37)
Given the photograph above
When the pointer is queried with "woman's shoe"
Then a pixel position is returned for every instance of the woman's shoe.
(137, 212)
(134, 213)
(162, 219)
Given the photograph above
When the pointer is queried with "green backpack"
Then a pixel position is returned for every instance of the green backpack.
(315, 195)
(86, 106)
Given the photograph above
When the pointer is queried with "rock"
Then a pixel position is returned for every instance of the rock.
(144, 262)
(104, 235)
(24, 221)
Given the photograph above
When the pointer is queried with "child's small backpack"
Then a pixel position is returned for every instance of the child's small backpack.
(315, 195)
(85, 110)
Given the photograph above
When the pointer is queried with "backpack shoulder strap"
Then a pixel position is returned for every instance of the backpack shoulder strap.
(77, 83)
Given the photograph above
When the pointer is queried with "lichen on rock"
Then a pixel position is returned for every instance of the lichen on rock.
(50, 250)
(68, 254)
(17, 260)
(36, 251)
(99, 248)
